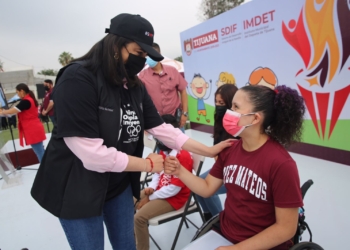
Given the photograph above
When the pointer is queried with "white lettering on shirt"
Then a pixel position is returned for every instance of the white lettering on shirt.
(251, 190)
(239, 175)
(246, 179)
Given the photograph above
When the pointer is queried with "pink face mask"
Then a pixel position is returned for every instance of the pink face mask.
(230, 122)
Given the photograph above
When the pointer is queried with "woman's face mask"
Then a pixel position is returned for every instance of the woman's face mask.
(134, 64)
(150, 62)
(231, 120)
(220, 110)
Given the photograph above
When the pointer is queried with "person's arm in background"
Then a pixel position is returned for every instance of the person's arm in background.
(49, 107)
(21, 106)
(11, 111)
(184, 103)
(182, 85)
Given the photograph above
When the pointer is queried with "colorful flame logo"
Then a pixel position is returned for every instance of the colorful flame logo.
(324, 53)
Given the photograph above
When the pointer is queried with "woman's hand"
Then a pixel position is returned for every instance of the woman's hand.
(158, 163)
(216, 149)
(172, 165)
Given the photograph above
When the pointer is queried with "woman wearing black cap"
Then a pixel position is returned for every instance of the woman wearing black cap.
(91, 167)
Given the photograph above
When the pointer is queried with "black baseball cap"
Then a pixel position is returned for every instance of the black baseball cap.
(137, 29)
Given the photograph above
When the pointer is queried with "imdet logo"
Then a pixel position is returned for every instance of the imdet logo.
(324, 52)
(200, 41)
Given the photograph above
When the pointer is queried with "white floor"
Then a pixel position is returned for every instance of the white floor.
(23, 223)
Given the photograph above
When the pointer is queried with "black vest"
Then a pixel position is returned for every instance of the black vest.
(63, 186)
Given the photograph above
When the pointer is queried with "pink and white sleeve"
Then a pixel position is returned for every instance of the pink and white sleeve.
(170, 136)
(96, 156)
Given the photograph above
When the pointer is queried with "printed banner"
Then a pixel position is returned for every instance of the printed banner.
(304, 44)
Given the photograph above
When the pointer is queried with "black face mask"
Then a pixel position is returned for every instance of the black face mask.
(134, 64)
(220, 110)
(46, 88)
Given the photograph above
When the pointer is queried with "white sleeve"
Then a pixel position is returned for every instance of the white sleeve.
(165, 192)
(155, 180)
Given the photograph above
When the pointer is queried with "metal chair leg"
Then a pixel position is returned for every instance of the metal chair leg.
(186, 223)
(154, 242)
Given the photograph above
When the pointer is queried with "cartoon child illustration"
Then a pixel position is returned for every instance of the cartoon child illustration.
(201, 91)
(263, 76)
(225, 78)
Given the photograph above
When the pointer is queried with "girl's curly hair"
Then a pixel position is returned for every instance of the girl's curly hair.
(283, 110)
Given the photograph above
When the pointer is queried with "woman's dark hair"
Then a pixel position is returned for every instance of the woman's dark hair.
(283, 110)
(101, 55)
(24, 87)
(227, 91)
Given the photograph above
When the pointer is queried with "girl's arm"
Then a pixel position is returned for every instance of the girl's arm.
(203, 187)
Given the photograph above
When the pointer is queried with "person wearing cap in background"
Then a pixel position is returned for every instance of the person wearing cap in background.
(91, 168)
(164, 83)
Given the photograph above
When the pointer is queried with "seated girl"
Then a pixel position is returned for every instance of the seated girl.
(261, 178)
(165, 193)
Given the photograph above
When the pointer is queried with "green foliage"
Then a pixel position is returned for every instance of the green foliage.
(179, 58)
(65, 58)
(48, 72)
(211, 8)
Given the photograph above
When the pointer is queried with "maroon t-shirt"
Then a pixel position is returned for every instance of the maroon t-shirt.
(256, 183)
(46, 102)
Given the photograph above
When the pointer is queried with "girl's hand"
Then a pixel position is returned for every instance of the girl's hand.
(142, 202)
(149, 191)
(172, 165)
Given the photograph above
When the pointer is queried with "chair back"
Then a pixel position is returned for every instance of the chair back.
(197, 163)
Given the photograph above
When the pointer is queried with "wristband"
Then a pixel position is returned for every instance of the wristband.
(150, 160)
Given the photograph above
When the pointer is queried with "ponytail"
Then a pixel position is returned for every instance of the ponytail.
(31, 94)
(286, 127)
(24, 87)
(283, 110)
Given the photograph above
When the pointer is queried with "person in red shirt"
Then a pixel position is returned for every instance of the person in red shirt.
(261, 178)
(165, 193)
(29, 126)
(47, 108)
(164, 84)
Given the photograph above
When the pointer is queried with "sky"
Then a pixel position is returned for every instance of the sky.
(34, 33)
